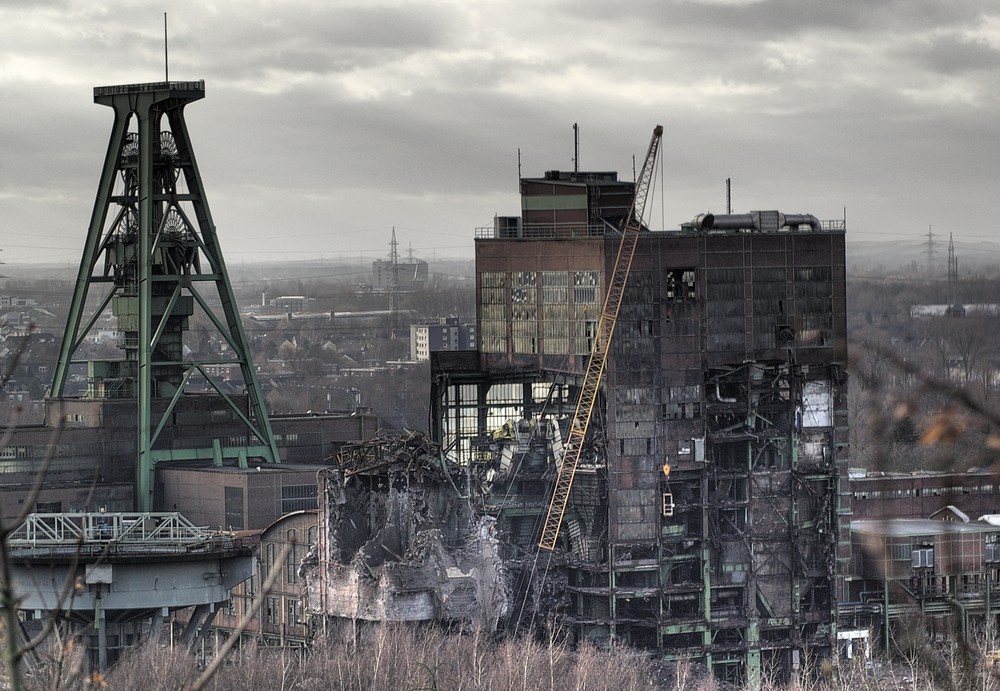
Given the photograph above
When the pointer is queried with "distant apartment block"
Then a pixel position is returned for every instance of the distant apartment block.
(449, 335)
(15, 301)
(409, 275)
(292, 303)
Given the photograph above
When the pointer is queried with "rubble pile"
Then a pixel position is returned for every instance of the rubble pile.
(400, 540)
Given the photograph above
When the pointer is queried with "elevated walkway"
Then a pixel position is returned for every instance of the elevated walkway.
(117, 576)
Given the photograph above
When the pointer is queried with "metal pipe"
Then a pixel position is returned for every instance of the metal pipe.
(724, 222)
(801, 220)
(703, 221)
(751, 221)
(719, 398)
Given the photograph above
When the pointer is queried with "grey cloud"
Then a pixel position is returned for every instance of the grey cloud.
(719, 22)
(317, 40)
(952, 55)
(806, 135)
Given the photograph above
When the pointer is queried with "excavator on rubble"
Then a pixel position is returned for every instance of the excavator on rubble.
(599, 353)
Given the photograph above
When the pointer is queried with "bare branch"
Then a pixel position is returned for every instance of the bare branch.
(234, 638)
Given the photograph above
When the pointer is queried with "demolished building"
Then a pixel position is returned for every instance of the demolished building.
(401, 541)
(710, 511)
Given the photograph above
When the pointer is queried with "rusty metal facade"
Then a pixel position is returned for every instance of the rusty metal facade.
(712, 511)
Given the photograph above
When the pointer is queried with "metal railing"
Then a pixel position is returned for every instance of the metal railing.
(151, 86)
(51, 529)
(578, 230)
(537, 231)
(835, 226)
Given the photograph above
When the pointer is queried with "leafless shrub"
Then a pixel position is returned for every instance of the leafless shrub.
(153, 666)
(397, 657)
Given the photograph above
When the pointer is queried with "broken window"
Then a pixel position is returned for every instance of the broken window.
(733, 521)
(271, 610)
(461, 421)
(524, 312)
(586, 332)
(291, 610)
(586, 310)
(814, 305)
(492, 312)
(769, 296)
(585, 287)
(679, 284)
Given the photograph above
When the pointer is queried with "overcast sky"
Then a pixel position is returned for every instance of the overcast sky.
(326, 124)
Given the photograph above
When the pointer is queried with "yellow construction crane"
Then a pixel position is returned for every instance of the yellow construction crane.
(599, 354)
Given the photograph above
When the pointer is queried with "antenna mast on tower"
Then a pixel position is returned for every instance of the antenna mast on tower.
(952, 274)
(166, 57)
(576, 148)
(393, 277)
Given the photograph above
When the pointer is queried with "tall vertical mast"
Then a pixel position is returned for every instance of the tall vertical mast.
(952, 274)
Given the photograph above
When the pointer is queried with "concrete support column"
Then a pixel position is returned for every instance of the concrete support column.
(187, 637)
(102, 636)
(156, 623)
(213, 609)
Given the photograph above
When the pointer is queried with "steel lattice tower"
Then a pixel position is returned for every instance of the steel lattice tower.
(152, 255)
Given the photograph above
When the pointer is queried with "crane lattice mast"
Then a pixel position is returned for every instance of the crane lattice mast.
(599, 354)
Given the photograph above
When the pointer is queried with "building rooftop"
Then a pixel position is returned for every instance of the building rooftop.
(234, 470)
(911, 527)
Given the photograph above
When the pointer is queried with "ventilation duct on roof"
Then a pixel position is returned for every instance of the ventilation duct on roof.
(759, 221)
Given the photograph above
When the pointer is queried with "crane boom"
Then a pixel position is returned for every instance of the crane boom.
(599, 353)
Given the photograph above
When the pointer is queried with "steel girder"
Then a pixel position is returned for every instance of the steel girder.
(152, 226)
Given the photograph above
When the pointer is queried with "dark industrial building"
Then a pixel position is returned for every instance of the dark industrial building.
(710, 511)
(711, 514)
(924, 549)
(879, 495)
(941, 573)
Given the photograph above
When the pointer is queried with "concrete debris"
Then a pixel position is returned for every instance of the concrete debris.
(400, 540)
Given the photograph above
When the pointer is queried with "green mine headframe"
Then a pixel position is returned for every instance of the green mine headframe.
(152, 255)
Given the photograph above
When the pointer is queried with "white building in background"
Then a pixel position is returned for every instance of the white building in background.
(448, 335)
